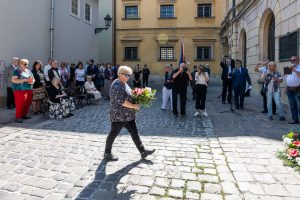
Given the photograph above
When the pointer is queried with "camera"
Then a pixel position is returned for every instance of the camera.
(185, 69)
(287, 70)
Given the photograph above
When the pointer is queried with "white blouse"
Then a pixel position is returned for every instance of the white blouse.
(200, 79)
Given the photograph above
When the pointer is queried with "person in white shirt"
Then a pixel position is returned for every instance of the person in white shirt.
(46, 69)
(293, 90)
(201, 78)
(91, 89)
(80, 75)
(167, 89)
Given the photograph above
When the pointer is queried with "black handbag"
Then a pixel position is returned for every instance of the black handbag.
(265, 88)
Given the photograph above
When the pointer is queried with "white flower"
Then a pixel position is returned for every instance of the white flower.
(287, 141)
(149, 89)
(298, 160)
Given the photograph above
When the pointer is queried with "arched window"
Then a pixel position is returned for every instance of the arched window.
(245, 50)
(271, 39)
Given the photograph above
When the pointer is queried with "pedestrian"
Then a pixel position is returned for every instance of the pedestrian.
(46, 69)
(137, 77)
(65, 74)
(107, 80)
(293, 90)
(22, 82)
(146, 74)
(227, 66)
(262, 67)
(54, 71)
(193, 82)
(10, 101)
(207, 69)
(272, 84)
(91, 89)
(167, 89)
(181, 78)
(240, 76)
(201, 83)
(80, 75)
(92, 70)
(123, 114)
(100, 77)
(38, 87)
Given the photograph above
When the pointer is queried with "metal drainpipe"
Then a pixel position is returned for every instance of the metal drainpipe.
(114, 31)
(51, 28)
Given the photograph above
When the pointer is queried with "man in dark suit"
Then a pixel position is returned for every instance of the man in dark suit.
(227, 66)
(240, 76)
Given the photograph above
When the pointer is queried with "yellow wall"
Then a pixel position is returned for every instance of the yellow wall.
(149, 32)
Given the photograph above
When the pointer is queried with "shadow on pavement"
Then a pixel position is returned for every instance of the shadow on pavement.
(104, 186)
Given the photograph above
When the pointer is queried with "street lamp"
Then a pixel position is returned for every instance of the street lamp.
(107, 20)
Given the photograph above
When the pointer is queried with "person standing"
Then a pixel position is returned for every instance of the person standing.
(100, 77)
(22, 82)
(10, 101)
(146, 74)
(107, 80)
(227, 66)
(137, 77)
(201, 78)
(65, 74)
(38, 87)
(181, 78)
(207, 69)
(272, 83)
(167, 89)
(92, 70)
(46, 69)
(54, 72)
(293, 90)
(240, 76)
(123, 114)
(193, 82)
(80, 75)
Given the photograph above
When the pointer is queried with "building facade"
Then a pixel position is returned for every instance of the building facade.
(257, 30)
(31, 30)
(150, 32)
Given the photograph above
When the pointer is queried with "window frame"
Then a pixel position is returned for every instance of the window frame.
(138, 12)
(205, 4)
(131, 59)
(210, 53)
(91, 13)
(167, 59)
(160, 13)
(78, 9)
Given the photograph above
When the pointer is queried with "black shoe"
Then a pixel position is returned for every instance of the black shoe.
(70, 114)
(183, 114)
(147, 153)
(110, 157)
(18, 121)
(293, 122)
(175, 115)
(163, 109)
(26, 117)
(281, 118)
(264, 111)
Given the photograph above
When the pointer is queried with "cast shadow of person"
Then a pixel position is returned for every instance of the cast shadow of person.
(104, 187)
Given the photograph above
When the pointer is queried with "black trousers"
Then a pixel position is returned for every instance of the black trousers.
(264, 95)
(116, 128)
(182, 95)
(145, 81)
(227, 86)
(201, 91)
(10, 101)
(239, 96)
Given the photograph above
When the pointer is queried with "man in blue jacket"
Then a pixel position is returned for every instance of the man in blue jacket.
(240, 76)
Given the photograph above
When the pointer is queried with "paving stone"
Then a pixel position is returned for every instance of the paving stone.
(54, 196)
(293, 190)
(188, 176)
(210, 171)
(212, 188)
(35, 191)
(253, 188)
(146, 181)
(275, 189)
(157, 191)
(13, 187)
(208, 178)
(194, 186)
(243, 176)
(175, 193)
(177, 183)
(191, 195)
(206, 196)
(138, 189)
(233, 197)
(162, 182)
(229, 188)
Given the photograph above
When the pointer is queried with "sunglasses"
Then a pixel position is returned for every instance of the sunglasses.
(25, 64)
(127, 75)
(293, 60)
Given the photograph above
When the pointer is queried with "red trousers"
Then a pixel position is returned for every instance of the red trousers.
(23, 100)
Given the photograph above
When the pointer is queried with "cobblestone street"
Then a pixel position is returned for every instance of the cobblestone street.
(224, 156)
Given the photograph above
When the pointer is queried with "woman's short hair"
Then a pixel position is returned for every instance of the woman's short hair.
(54, 79)
(272, 63)
(124, 70)
(24, 61)
(37, 62)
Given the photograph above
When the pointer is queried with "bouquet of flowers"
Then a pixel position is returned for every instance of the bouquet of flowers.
(144, 97)
(291, 153)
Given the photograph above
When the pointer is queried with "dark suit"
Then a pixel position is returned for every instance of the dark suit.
(239, 78)
(227, 82)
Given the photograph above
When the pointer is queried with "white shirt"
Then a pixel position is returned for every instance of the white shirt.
(229, 71)
(89, 85)
(46, 69)
(292, 80)
(200, 79)
(80, 73)
(263, 69)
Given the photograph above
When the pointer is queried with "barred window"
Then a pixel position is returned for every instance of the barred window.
(167, 11)
(204, 10)
(288, 46)
(131, 12)
(166, 53)
(131, 53)
(75, 7)
(87, 15)
(203, 53)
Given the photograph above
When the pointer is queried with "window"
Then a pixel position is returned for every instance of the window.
(203, 53)
(167, 11)
(166, 53)
(87, 11)
(131, 53)
(288, 46)
(75, 7)
(204, 10)
(271, 39)
(131, 12)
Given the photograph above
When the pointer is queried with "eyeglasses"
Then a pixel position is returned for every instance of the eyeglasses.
(293, 60)
(25, 64)
(127, 75)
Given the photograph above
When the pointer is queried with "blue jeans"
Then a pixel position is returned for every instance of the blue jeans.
(294, 104)
(276, 96)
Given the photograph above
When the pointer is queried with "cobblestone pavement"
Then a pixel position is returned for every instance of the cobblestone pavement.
(63, 159)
